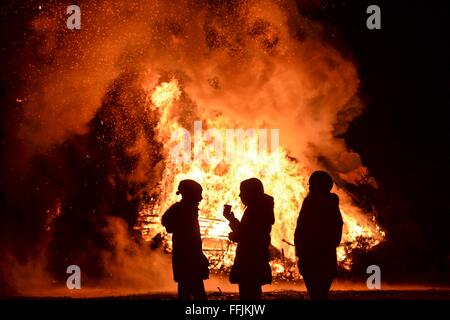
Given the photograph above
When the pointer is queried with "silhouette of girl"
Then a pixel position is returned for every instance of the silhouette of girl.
(251, 267)
(318, 233)
(190, 265)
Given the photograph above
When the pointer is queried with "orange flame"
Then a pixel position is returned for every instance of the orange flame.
(283, 178)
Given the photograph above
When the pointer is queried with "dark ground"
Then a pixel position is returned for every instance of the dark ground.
(339, 295)
(335, 295)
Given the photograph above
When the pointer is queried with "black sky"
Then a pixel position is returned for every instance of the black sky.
(403, 135)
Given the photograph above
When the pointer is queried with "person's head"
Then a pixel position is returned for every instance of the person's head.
(190, 191)
(251, 190)
(320, 182)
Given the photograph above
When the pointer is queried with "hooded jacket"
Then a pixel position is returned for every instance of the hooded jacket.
(188, 260)
(318, 233)
(252, 235)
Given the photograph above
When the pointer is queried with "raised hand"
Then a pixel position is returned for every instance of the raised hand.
(229, 215)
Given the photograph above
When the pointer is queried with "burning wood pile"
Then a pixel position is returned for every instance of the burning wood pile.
(282, 175)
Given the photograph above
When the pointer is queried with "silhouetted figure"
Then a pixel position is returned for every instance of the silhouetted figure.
(190, 265)
(318, 233)
(251, 267)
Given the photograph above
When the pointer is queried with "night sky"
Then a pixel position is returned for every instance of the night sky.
(402, 136)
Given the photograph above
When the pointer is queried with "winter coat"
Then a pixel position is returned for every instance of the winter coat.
(188, 260)
(252, 234)
(318, 233)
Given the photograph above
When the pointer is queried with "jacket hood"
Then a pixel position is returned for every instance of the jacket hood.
(269, 203)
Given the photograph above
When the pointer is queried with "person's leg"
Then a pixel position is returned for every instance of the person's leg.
(309, 285)
(306, 281)
(198, 290)
(313, 286)
(318, 287)
(324, 287)
(258, 292)
(184, 290)
(250, 291)
(242, 291)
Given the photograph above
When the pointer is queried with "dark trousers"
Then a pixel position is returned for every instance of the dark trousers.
(250, 291)
(191, 289)
(318, 286)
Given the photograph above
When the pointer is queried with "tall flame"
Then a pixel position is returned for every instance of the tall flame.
(283, 178)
